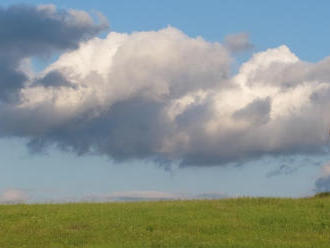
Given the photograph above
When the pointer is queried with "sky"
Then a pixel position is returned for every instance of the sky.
(122, 100)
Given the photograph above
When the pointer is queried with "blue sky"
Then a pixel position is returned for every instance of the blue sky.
(300, 25)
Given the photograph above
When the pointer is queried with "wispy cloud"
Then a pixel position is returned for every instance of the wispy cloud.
(133, 196)
(282, 170)
(16, 196)
(147, 196)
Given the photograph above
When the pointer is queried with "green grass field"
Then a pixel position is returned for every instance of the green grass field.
(243, 222)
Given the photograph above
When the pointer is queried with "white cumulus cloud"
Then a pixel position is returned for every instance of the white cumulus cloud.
(166, 96)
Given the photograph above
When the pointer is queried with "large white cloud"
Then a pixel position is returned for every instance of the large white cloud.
(166, 96)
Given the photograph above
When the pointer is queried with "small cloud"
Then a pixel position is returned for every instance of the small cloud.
(322, 184)
(238, 42)
(42, 30)
(13, 196)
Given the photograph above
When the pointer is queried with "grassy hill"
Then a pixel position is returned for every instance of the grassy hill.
(243, 222)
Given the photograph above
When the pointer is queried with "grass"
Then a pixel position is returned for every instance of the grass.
(242, 222)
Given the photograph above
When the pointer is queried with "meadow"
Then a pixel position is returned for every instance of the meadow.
(241, 222)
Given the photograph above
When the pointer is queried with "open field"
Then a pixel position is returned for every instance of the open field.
(243, 222)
